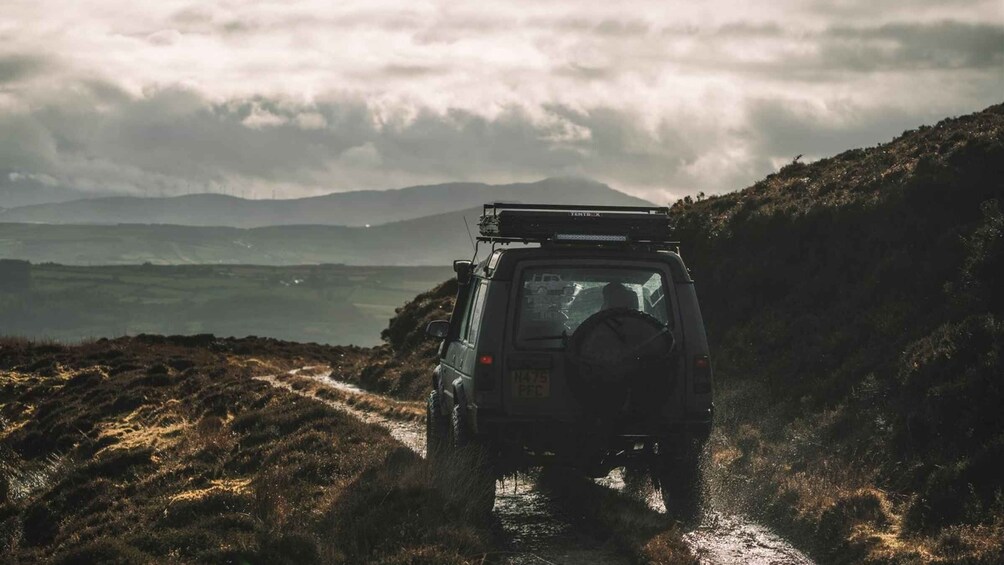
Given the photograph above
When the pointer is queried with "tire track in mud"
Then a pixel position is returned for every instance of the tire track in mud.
(535, 529)
(540, 532)
(724, 539)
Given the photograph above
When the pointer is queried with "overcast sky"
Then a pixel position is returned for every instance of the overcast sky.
(660, 99)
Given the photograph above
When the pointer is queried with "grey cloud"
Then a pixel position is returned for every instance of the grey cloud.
(783, 129)
(607, 26)
(827, 56)
(867, 8)
(747, 29)
(586, 72)
(940, 45)
(173, 133)
(411, 71)
(194, 14)
(175, 137)
(460, 143)
(622, 27)
(99, 136)
(17, 66)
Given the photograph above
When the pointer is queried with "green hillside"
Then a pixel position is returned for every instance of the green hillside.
(855, 314)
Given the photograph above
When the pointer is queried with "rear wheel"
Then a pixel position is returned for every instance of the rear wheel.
(476, 469)
(680, 483)
(437, 427)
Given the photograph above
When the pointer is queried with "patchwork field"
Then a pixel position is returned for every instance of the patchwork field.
(334, 304)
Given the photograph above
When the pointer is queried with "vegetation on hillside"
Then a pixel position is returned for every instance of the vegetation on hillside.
(855, 316)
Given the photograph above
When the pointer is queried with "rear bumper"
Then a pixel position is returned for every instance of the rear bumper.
(591, 444)
(695, 423)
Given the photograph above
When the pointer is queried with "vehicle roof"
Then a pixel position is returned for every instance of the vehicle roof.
(501, 264)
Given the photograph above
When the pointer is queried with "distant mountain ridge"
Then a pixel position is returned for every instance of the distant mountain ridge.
(357, 208)
(18, 189)
(430, 240)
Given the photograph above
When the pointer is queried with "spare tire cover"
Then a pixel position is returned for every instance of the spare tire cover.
(621, 360)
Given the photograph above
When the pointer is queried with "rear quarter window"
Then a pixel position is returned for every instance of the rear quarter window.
(478, 312)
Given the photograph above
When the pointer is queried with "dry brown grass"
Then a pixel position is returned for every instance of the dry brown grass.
(171, 452)
(831, 507)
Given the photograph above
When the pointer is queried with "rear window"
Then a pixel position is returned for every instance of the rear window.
(553, 301)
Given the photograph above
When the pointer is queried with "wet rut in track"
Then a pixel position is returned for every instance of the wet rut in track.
(540, 531)
(725, 538)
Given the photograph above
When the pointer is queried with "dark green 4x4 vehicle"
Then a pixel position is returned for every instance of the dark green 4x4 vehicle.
(584, 349)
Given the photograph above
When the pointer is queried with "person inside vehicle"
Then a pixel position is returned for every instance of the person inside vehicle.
(616, 295)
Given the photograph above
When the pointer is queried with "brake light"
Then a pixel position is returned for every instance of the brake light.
(702, 374)
(485, 372)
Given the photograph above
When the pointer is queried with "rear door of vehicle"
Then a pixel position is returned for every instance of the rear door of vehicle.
(535, 375)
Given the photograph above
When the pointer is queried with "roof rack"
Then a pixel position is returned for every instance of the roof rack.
(574, 224)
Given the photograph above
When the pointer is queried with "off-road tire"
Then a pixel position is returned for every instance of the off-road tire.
(437, 427)
(680, 484)
(476, 468)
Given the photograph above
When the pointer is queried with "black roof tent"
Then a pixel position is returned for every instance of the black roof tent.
(571, 224)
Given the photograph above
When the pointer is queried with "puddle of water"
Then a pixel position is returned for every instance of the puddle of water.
(539, 532)
(733, 539)
(722, 539)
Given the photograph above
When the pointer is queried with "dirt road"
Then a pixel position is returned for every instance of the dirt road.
(539, 530)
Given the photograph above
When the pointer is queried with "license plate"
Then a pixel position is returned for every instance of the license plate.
(531, 383)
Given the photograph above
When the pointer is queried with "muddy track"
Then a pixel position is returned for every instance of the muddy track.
(539, 530)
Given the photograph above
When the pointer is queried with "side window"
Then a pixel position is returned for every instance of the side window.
(479, 310)
(471, 301)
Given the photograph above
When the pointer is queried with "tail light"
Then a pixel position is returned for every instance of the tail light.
(702, 374)
(484, 372)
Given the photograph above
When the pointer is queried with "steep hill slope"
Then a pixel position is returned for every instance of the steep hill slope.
(854, 312)
(357, 208)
